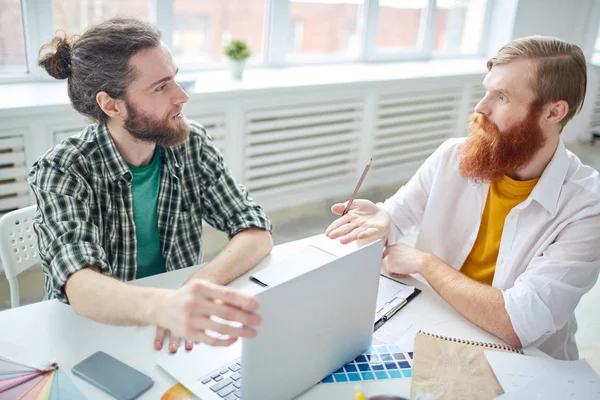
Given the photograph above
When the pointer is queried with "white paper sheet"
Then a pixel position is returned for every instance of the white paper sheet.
(525, 377)
(549, 387)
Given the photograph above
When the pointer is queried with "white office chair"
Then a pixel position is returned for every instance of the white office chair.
(18, 247)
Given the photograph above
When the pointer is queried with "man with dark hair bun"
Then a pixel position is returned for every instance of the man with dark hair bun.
(126, 198)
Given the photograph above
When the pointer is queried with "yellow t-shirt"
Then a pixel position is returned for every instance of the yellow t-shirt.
(503, 196)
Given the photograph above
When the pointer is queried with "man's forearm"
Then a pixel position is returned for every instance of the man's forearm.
(243, 252)
(479, 303)
(111, 301)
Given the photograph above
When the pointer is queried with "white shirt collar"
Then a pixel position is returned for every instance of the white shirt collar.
(548, 188)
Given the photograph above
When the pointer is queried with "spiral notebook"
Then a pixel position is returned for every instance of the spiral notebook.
(452, 368)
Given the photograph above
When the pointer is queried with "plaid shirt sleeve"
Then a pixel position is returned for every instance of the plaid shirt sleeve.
(227, 204)
(68, 238)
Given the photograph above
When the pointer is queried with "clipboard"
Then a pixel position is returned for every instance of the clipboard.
(393, 299)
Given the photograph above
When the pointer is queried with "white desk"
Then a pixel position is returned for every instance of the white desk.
(52, 330)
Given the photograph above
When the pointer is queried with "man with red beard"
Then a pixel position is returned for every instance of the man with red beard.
(126, 198)
(508, 219)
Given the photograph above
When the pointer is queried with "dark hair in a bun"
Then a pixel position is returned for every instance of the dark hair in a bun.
(57, 63)
(98, 61)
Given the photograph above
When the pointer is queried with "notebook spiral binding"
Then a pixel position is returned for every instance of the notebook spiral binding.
(505, 347)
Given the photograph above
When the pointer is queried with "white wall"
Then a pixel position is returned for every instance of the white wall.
(573, 21)
(564, 19)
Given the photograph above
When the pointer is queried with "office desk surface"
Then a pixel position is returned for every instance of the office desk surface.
(54, 332)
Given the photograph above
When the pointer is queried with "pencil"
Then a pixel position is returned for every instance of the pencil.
(360, 181)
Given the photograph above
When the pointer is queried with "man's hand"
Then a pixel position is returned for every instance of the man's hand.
(401, 259)
(481, 304)
(187, 312)
(364, 222)
(174, 341)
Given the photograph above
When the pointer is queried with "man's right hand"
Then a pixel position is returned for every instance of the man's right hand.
(187, 312)
(364, 222)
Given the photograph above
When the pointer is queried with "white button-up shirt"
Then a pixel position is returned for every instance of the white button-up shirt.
(549, 253)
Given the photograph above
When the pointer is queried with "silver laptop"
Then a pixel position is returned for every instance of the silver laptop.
(312, 325)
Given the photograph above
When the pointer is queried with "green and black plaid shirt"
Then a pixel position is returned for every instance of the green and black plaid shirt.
(85, 206)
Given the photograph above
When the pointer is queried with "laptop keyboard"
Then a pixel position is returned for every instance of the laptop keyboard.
(377, 363)
(226, 382)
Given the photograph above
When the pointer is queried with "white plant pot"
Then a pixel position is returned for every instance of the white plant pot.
(237, 68)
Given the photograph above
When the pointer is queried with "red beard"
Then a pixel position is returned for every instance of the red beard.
(488, 154)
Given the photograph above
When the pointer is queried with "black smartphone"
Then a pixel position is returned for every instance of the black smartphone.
(113, 376)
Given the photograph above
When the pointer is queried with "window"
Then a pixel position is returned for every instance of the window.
(203, 28)
(400, 24)
(13, 58)
(74, 16)
(278, 32)
(324, 28)
(296, 35)
(459, 26)
(191, 40)
(596, 55)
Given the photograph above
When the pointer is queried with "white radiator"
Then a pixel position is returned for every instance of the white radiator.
(60, 134)
(410, 126)
(477, 93)
(595, 122)
(214, 125)
(288, 148)
(294, 147)
(13, 172)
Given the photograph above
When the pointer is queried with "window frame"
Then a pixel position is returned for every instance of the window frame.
(591, 48)
(38, 29)
(35, 29)
(485, 35)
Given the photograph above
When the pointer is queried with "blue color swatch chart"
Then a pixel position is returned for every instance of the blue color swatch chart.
(378, 362)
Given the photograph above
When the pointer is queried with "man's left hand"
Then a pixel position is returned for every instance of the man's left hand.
(401, 259)
(159, 339)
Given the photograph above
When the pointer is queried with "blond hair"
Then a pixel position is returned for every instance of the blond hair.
(560, 69)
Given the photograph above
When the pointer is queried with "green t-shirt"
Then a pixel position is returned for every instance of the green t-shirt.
(145, 187)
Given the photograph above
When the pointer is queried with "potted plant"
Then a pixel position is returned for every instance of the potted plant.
(237, 51)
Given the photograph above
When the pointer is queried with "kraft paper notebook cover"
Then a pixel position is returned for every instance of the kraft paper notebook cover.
(453, 369)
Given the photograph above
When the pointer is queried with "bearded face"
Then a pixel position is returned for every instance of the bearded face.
(489, 154)
(169, 130)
